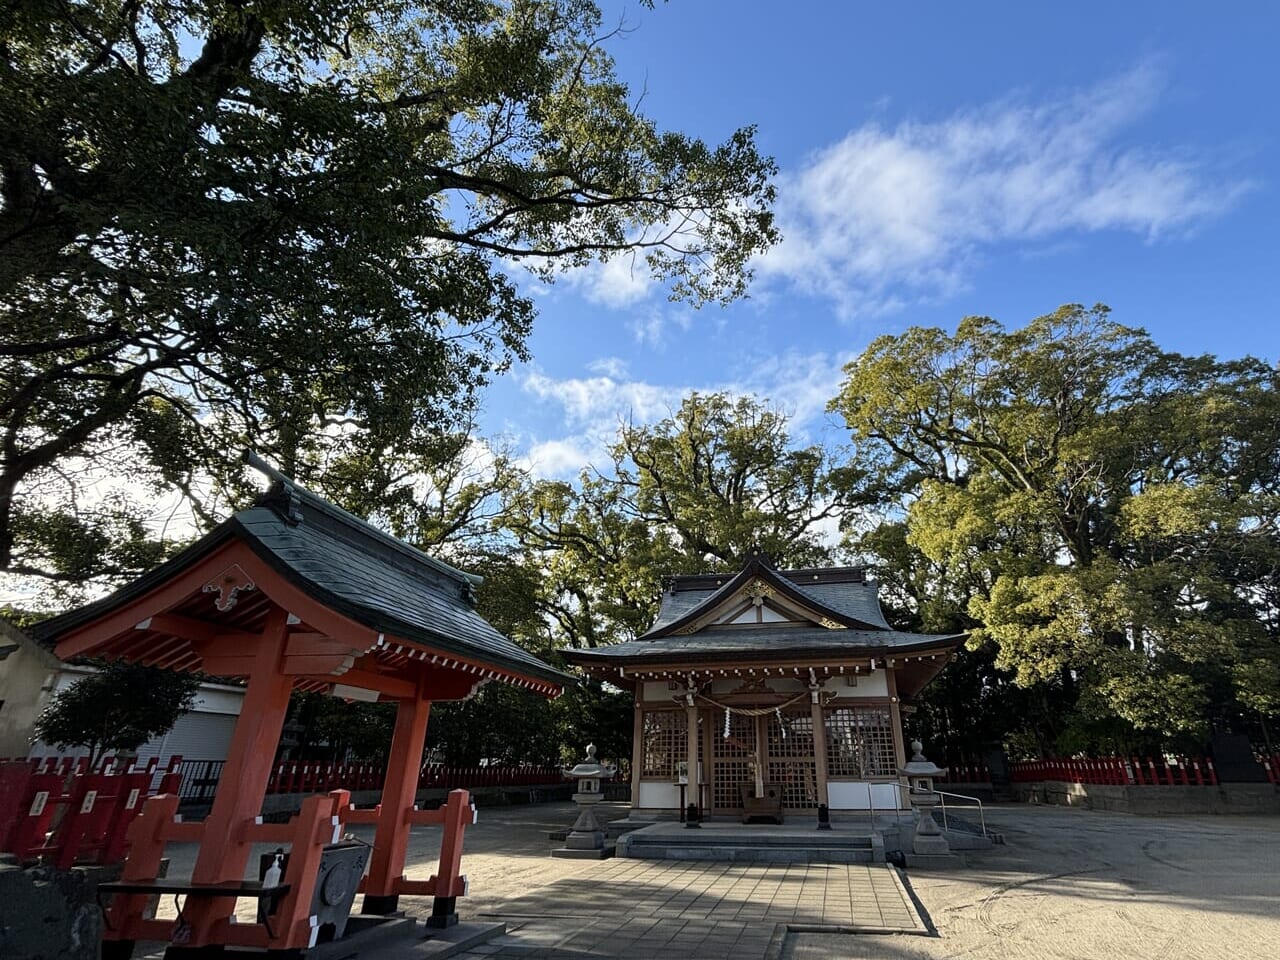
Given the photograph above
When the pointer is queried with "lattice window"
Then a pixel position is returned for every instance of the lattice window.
(860, 742)
(791, 759)
(733, 758)
(666, 742)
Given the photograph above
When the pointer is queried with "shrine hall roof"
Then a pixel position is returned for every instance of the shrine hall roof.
(834, 613)
(351, 567)
(770, 644)
(844, 589)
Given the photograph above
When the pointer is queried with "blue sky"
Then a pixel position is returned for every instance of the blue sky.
(937, 160)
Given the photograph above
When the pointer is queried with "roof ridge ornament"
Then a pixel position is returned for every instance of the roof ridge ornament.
(283, 495)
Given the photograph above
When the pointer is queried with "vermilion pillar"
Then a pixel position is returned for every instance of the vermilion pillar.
(391, 841)
(224, 852)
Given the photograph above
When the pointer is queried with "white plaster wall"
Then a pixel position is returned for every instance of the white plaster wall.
(853, 795)
(874, 685)
(657, 795)
(657, 690)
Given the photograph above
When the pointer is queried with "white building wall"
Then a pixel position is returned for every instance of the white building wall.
(202, 734)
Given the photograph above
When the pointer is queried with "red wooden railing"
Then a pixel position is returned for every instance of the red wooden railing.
(200, 777)
(966, 773)
(1120, 771)
(303, 776)
(62, 813)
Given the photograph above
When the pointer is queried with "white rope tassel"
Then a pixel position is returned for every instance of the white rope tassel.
(726, 723)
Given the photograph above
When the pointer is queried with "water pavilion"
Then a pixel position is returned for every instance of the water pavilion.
(294, 593)
(769, 682)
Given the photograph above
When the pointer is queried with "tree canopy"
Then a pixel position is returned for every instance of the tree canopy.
(299, 225)
(1102, 511)
(689, 494)
(120, 707)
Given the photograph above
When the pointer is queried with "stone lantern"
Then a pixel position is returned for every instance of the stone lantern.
(586, 837)
(929, 839)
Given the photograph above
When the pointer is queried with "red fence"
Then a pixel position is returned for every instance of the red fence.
(1120, 771)
(966, 773)
(61, 813)
(302, 776)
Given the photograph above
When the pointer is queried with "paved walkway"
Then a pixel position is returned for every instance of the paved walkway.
(648, 908)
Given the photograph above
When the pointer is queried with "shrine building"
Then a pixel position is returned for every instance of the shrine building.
(786, 679)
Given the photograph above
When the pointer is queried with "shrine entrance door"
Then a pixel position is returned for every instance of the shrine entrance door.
(790, 757)
(733, 760)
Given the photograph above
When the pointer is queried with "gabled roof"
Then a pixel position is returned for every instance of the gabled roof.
(838, 596)
(350, 567)
(835, 615)
(842, 589)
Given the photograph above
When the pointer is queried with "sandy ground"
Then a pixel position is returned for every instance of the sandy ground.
(1067, 884)
(1082, 885)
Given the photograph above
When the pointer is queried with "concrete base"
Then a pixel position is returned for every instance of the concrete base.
(725, 840)
(1226, 798)
(563, 853)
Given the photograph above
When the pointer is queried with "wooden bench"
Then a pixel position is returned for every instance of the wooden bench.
(765, 807)
(185, 888)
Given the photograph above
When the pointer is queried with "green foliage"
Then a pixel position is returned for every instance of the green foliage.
(690, 494)
(1101, 512)
(120, 707)
(328, 728)
(295, 226)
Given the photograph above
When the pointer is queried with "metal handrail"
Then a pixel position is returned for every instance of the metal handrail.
(982, 818)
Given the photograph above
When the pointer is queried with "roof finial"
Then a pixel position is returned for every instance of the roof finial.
(283, 496)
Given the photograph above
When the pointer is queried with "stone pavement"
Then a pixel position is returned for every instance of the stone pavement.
(647, 908)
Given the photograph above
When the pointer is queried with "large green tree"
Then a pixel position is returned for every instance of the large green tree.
(689, 494)
(1102, 511)
(298, 225)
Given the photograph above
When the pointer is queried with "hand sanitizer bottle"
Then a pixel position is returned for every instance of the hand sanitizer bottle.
(274, 872)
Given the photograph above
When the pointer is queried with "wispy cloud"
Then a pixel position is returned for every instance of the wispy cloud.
(892, 216)
(621, 281)
(800, 384)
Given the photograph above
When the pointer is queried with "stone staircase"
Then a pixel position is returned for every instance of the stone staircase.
(750, 844)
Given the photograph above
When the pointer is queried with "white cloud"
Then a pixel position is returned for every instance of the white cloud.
(593, 407)
(614, 367)
(621, 281)
(561, 459)
(887, 217)
(650, 328)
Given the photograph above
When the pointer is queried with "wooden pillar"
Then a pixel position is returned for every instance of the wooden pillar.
(819, 742)
(895, 715)
(693, 794)
(224, 850)
(399, 790)
(637, 747)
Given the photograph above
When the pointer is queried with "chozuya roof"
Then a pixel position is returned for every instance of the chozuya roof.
(352, 569)
(816, 613)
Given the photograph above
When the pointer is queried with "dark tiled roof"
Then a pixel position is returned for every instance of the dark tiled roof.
(841, 592)
(857, 600)
(355, 569)
(784, 642)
